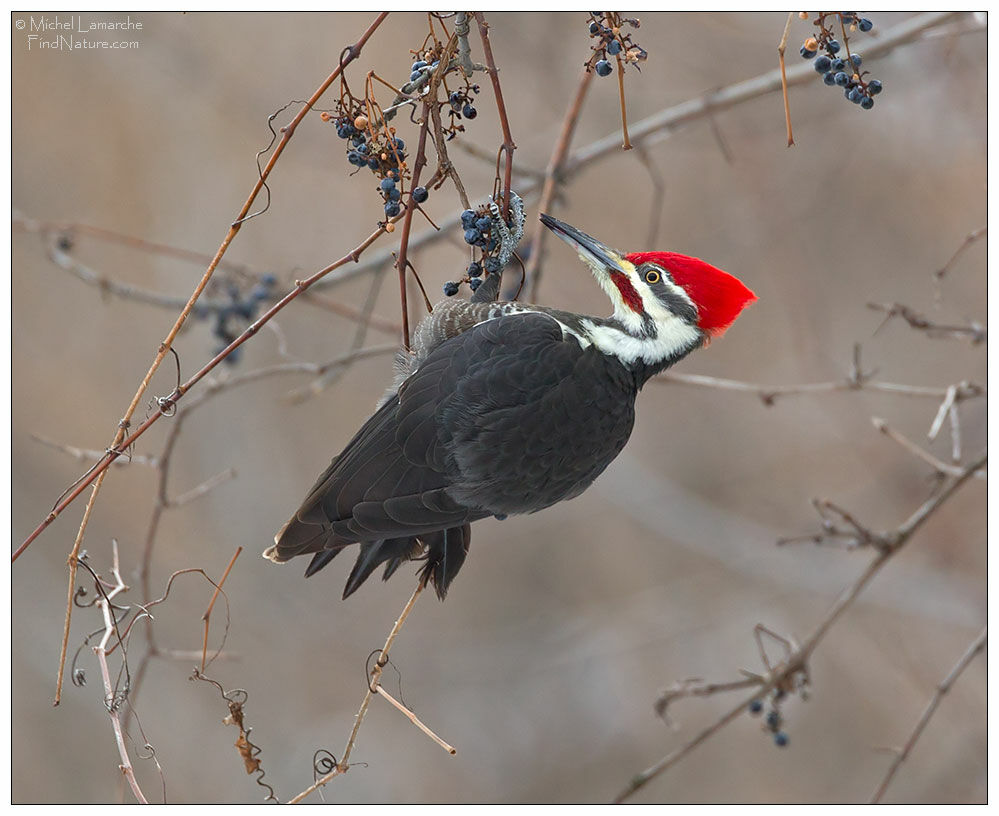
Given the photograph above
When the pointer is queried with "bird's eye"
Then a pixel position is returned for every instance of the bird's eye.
(652, 276)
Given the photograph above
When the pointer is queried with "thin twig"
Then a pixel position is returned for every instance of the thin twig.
(212, 389)
(207, 617)
(407, 221)
(694, 687)
(975, 332)
(73, 561)
(381, 324)
(955, 433)
(402, 260)
(938, 465)
(104, 603)
(554, 177)
(508, 145)
(489, 157)
(950, 397)
(344, 764)
(87, 455)
(204, 488)
(626, 145)
(415, 720)
(445, 167)
(770, 393)
(71, 229)
(976, 648)
(969, 239)
(783, 77)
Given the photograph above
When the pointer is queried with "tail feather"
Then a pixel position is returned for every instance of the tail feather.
(298, 538)
(446, 551)
(375, 553)
(320, 560)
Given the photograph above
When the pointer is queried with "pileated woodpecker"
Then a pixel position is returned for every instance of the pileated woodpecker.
(502, 408)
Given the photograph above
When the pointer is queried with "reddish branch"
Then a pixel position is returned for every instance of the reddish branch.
(783, 77)
(553, 177)
(407, 221)
(419, 163)
(508, 144)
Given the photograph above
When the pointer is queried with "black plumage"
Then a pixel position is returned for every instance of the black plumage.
(503, 408)
(510, 416)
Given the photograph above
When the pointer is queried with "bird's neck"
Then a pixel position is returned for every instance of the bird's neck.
(643, 354)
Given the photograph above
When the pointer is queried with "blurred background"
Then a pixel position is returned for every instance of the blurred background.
(543, 665)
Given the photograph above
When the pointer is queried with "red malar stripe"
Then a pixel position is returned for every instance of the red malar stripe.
(631, 297)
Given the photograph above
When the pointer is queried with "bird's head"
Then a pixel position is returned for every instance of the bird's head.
(667, 303)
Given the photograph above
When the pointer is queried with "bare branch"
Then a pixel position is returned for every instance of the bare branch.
(770, 393)
(783, 76)
(553, 178)
(695, 687)
(202, 489)
(976, 648)
(975, 332)
(110, 698)
(508, 145)
(969, 239)
(415, 720)
(87, 455)
(207, 617)
(940, 467)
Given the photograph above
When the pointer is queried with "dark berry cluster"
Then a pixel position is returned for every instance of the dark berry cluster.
(612, 42)
(460, 101)
(837, 65)
(774, 720)
(481, 230)
(392, 195)
(460, 104)
(423, 67)
(378, 150)
(232, 316)
(381, 151)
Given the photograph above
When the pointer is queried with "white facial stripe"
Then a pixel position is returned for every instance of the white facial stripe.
(674, 336)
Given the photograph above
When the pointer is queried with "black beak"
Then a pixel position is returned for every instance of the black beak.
(593, 252)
